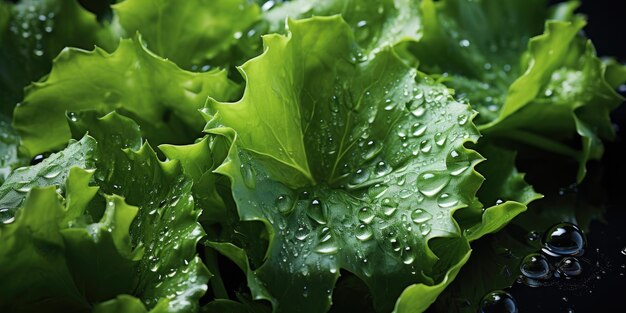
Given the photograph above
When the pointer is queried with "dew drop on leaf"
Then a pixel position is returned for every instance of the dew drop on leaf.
(316, 211)
(284, 203)
(366, 215)
(420, 216)
(431, 183)
(6, 216)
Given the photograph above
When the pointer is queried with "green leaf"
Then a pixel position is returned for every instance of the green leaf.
(9, 152)
(503, 195)
(314, 169)
(544, 90)
(190, 33)
(161, 97)
(169, 274)
(52, 171)
(376, 24)
(65, 266)
(33, 32)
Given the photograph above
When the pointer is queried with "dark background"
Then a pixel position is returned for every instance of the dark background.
(607, 291)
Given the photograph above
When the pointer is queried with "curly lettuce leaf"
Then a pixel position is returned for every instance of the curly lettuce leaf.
(544, 90)
(503, 196)
(52, 171)
(376, 24)
(313, 168)
(163, 98)
(170, 274)
(33, 32)
(56, 265)
(190, 33)
(152, 245)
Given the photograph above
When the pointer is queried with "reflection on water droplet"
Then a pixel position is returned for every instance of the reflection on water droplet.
(440, 139)
(462, 119)
(420, 216)
(446, 200)
(302, 233)
(425, 229)
(535, 266)
(457, 163)
(6, 216)
(359, 177)
(363, 232)
(408, 255)
(498, 301)
(389, 206)
(366, 215)
(570, 267)
(316, 211)
(284, 203)
(248, 175)
(382, 168)
(431, 183)
(564, 239)
(418, 129)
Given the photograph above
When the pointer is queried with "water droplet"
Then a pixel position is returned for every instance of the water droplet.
(268, 5)
(420, 216)
(462, 119)
(535, 266)
(623, 251)
(6, 216)
(361, 23)
(431, 183)
(366, 215)
(408, 255)
(359, 177)
(237, 35)
(316, 211)
(569, 267)
(446, 200)
(464, 43)
(363, 232)
(389, 206)
(302, 233)
(52, 174)
(248, 175)
(564, 239)
(533, 236)
(37, 159)
(425, 229)
(284, 204)
(440, 139)
(377, 191)
(418, 129)
(326, 244)
(382, 168)
(498, 301)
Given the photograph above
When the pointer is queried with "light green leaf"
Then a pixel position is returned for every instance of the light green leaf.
(353, 166)
(162, 97)
(190, 33)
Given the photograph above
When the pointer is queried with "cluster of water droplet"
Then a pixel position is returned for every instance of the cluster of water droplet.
(562, 243)
(31, 24)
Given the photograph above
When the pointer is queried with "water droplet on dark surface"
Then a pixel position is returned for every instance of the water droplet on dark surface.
(564, 239)
(569, 267)
(498, 302)
(535, 266)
